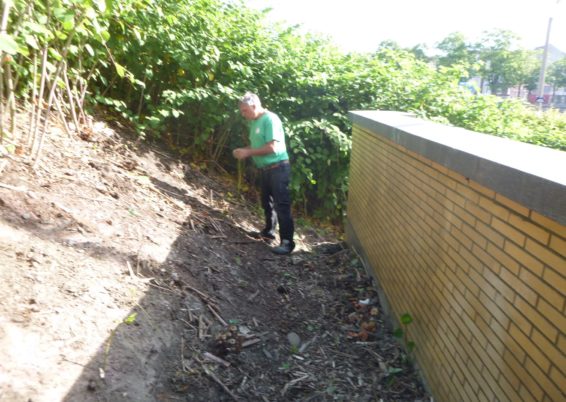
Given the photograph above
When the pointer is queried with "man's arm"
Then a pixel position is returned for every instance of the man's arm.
(244, 153)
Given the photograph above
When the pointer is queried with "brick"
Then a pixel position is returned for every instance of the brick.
(552, 314)
(482, 314)
(486, 360)
(545, 290)
(543, 380)
(548, 257)
(562, 343)
(523, 376)
(531, 230)
(515, 315)
(456, 176)
(482, 283)
(493, 385)
(455, 198)
(481, 396)
(476, 237)
(464, 240)
(503, 258)
(508, 231)
(501, 317)
(550, 350)
(529, 347)
(464, 215)
(519, 285)
(549, 223)
(488, 261)
(490, 234)
(481, 189)
(502, 288)
(558, 378)
(479, 213)
(471, 259)
(558, 245)
(526, 395)
(496, 342)
(524, 258)
(468, 193)
(507, 387)
(515, 206)
(537, 319)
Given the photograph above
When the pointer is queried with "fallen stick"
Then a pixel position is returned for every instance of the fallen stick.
(9, 187)
(216, 359)
(205, 297)
(217, 380)
(250, 342)
(217, 315)
(293, 382)
(201, 328)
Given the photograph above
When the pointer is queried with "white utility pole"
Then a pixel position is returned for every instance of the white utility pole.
(540, 93)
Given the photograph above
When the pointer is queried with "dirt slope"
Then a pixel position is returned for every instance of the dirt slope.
(124, 275)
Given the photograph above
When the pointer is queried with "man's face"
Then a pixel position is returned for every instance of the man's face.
(247, 111)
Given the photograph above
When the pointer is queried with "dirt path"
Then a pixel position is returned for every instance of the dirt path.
(128, 276)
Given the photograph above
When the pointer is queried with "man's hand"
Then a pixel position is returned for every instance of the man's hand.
(241, 153)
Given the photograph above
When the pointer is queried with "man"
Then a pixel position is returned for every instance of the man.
(269, 153)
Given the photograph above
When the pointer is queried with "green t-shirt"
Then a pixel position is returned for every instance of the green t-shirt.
(267, 128)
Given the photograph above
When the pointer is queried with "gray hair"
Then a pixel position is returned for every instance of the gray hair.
(250, 99)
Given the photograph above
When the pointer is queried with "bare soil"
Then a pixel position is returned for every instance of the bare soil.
(129, 275)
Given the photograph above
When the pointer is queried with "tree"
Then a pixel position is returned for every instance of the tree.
(557, 75)
(455, 50)
(419, 51)
(503, 61)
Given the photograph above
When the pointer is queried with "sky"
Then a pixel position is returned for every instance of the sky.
(360, 25)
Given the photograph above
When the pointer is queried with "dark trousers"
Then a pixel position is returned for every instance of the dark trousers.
(276, 200)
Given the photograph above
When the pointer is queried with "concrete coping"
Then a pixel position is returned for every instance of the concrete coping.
(531, 175)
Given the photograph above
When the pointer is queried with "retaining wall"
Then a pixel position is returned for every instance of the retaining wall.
(467, 233)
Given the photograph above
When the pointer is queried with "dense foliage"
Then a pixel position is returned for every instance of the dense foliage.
(175, 68)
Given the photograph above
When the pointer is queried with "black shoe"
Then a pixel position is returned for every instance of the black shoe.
(286, 247)
(263, 235)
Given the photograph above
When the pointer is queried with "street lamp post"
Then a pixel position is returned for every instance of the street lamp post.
(540, 94)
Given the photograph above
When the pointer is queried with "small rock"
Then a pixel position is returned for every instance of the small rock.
(294, 339)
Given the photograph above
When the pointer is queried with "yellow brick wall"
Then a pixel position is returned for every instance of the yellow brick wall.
(483, 277)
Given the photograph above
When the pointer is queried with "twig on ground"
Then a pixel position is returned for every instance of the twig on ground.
(293, 382)
(215, 313)
(206, 298)
(217, 380)
(132, 275)
(250, 342)
(216, 359)
(201, 328)
(189, 324)
(9, 187)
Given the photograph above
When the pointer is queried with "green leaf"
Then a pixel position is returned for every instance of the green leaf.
(398, 333)
(120, 70)
(411, 346)
(89, 49)
(31, 41)
(109, 6)
(129, 320)
(394, 370)
(37, 28)
(8, 44)
(68, 21)
(406, 319)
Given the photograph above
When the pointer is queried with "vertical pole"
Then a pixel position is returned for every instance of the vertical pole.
(540, 94)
